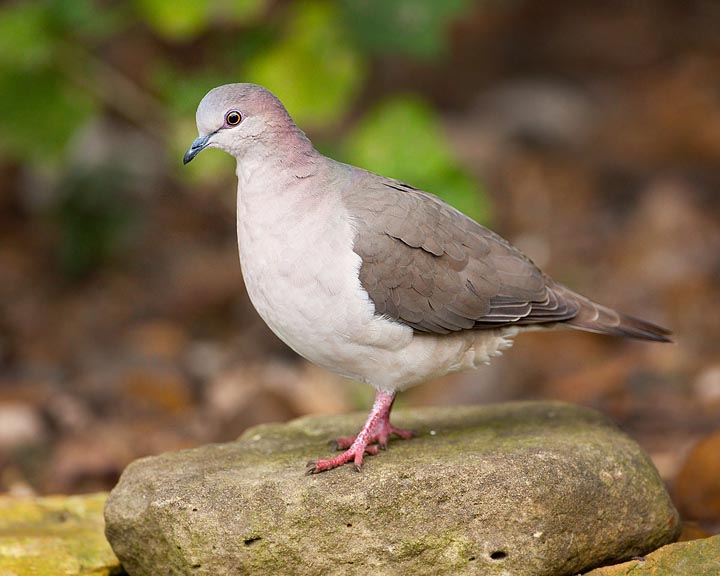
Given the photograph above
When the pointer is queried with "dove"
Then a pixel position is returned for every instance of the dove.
(370, 277)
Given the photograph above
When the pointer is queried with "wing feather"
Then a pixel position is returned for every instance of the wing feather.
(431, 267)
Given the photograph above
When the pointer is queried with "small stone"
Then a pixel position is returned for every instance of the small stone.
(697, 487)
(707, 385)
(694, 558)
(55, 536)
(20, 424)
(541, 489)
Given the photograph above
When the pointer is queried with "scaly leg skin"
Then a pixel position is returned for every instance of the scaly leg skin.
(372, 437)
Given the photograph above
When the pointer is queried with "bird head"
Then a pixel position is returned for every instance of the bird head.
(238, 117)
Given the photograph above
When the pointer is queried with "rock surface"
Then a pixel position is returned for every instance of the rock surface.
(694, 558)
(55, 536)
(523, 489)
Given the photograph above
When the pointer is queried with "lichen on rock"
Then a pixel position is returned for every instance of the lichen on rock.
(694, 558)
(55, 536)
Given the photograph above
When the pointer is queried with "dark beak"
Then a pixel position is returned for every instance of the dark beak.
(196, 147)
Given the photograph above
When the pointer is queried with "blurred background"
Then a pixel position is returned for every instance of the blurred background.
(587, 133)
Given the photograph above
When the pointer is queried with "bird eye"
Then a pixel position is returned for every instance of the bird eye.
(233, 118)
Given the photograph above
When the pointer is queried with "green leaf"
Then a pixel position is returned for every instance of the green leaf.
(178, 20)
(239, 11)
(88, 19)
(314, 70)
(25, 39)
(415, 28)
(41, 111)
(182, 20)
(403, 139)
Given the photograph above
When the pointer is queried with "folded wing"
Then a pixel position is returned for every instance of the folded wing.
(429, 266)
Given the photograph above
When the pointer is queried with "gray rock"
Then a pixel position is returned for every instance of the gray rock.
(522, 489)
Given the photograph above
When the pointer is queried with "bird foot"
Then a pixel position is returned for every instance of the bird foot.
(372, 438)
(357, 448)
(355, 454)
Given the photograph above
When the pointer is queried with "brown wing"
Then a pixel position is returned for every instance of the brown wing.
(429, 266)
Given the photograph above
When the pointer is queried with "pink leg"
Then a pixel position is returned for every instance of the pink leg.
(372, 437)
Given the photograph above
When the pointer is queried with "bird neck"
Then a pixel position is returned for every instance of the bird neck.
(288, 155)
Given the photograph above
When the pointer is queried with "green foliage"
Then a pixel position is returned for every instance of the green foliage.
(176, 20)
(402, 138)
(25, 39)
(181, 20)
(85, 20)
(57, 57)
(41, 107)
(414, 28)
(313, 69)
(241, 11)
(36, 35)
(39, 114)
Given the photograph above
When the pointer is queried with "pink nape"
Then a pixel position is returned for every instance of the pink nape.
(372, 437)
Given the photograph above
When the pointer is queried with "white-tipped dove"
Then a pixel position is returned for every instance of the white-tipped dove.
(370, 277)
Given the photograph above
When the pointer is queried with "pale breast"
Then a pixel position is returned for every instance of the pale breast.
(302, 277)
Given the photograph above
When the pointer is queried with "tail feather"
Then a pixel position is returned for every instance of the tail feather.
(593, 317)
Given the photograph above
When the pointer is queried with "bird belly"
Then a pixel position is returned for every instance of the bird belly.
(431, 356)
